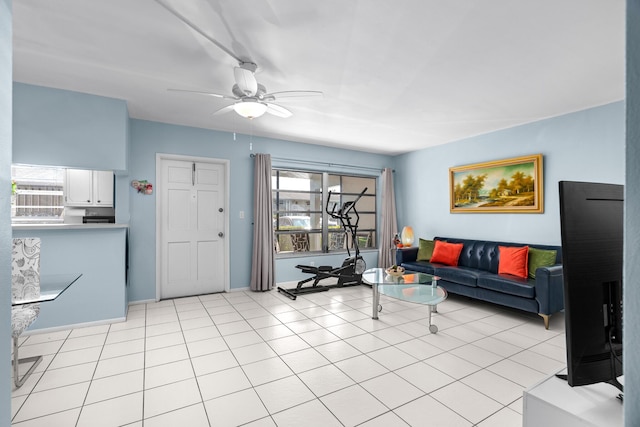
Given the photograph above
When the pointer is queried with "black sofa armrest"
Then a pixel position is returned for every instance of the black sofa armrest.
(550, 289)
(406, 255)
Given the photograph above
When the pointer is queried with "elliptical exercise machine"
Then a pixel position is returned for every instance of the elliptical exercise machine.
(350, 272)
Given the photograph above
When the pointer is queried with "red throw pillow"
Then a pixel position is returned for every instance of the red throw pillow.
(514, 261)
(446, 253)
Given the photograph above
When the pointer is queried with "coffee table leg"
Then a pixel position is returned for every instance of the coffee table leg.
(432, 328)
(375, 301)
(435, 307)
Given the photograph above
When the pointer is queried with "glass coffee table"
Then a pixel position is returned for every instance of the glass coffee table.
(420, 288)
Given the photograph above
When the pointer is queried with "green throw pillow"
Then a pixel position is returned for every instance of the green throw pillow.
(425, 250)
(540, 258)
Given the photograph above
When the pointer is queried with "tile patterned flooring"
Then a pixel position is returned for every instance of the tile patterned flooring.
(261, 359)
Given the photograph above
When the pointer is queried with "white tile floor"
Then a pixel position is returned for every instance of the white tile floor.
(261, 359)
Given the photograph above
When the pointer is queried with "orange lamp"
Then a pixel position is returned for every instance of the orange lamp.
(407, 236)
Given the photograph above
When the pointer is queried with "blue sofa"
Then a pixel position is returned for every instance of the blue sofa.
(476, 276)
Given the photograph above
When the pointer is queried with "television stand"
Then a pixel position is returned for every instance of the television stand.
(614, 382)
(554, 403)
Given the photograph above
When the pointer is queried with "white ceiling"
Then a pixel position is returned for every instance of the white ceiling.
(397, 75)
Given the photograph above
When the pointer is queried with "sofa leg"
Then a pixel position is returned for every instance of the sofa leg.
(546, 319)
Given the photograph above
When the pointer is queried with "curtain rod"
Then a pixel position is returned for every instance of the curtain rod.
(312, 162)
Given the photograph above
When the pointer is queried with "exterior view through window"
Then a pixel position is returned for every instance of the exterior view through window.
(300, 222)
(37, 194)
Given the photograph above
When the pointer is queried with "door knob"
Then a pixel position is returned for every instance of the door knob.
(221, 234)
(220, 210)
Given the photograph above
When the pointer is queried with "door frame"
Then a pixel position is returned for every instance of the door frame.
(165, 156)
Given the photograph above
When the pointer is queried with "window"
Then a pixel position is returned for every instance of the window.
(300, 221)
(37, 193)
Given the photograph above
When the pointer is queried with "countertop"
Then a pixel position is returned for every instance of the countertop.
(66, 226)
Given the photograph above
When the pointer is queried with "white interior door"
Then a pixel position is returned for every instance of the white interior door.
(193, 224)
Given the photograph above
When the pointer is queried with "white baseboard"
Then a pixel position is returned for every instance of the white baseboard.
(151, 301)
(74, 326)
(291, 284)
(142, 301)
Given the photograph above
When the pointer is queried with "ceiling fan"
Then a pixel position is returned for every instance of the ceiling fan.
(251, 98)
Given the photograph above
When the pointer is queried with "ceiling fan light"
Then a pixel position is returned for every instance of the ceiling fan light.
(250, 109)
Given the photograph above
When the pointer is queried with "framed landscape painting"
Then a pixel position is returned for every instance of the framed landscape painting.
(504, 186)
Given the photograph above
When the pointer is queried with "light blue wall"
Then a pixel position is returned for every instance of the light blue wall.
(63, 128)
(100, 294)
(122, 181)
(583, 146)
(6, 53)
(631, 322)
(149, 138)
(56, 127)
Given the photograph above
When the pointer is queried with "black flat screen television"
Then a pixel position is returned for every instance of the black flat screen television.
(591, 218)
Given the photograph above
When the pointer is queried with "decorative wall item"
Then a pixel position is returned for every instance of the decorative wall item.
(503, 186)
(397, 243)
(142, 186)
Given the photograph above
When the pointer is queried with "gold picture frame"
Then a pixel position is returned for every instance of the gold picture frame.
(512, 185)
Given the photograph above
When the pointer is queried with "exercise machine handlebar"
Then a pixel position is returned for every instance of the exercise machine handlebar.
(345, 208)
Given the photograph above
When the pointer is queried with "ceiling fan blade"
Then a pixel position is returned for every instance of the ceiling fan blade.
(197, 29)
(197, 92)
(279, 111)
(245, 80)
(295, 94)
(223, 110)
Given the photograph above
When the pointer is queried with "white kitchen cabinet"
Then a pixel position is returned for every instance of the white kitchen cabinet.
(103, 188)
(88, 188)
(78, 187)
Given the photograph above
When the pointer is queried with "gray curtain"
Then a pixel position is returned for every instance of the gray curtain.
(388, 221)
(263, 259)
